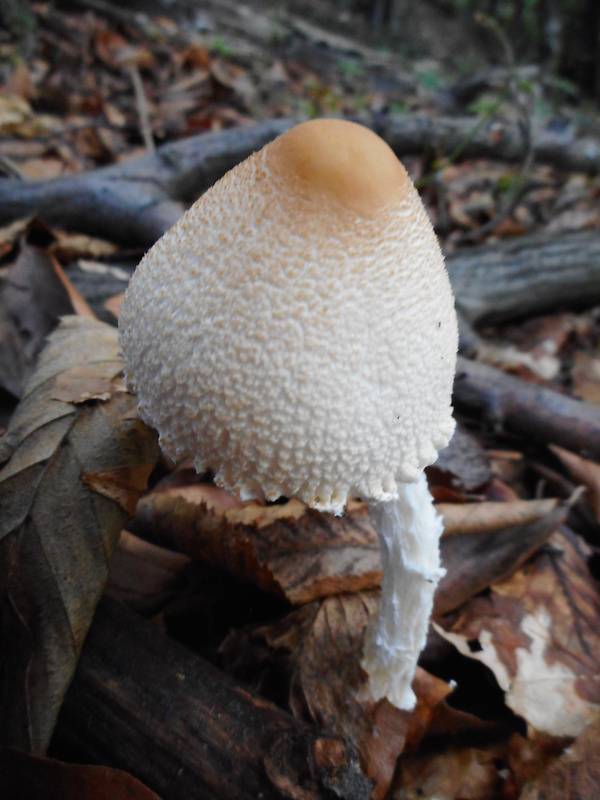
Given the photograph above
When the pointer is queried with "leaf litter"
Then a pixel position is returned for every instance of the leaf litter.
(515, 615)
(57, 532)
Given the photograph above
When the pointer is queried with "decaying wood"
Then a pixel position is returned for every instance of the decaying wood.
(143, 703)
(136, 202)
(526, 276)
(526, 409)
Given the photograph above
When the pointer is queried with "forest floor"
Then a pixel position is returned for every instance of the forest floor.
(506, 156)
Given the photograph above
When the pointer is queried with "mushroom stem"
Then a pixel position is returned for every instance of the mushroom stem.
(409, 531)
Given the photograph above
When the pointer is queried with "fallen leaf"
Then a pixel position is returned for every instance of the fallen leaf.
(325, 645)
(303, 555)
(468, 773)
(463, 460)
(57, 533)
(122, 485)
(582, 471)
(32, 298)
(575, 775)
(285, 548)
(473, 519)
(27, 777)
(18, 119)
(82, 383)
(144, 576)
(38, 169)
(472, 563)
(537, 632)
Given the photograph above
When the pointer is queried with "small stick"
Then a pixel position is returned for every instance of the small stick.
(143, 108)
(527, 409)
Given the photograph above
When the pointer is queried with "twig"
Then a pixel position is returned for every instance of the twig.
(142, 108)
(11, 168)
(523, 186)
(531, 411)
(525, 129)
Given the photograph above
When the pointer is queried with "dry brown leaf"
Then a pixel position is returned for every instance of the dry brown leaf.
(464, 461)
(471, 519)
(38, 169)
(32, 298)
(582, 471)
(82, 383)
(467, 773)
(123, 485)
(472, 563)
(575, 775)
(143, 575)
(538, 633)
(18, 119)
(26, 777)
(528, 756)
(327, 680)
(304, 555)
(288, 549)
(57, 533)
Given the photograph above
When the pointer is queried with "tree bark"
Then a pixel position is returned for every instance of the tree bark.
(526, 276)
(143, 703)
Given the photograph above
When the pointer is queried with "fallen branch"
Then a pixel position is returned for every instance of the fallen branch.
(509, 280)
(136, 202)
(143, 703)
(495, 139)
(526, 276)
(528, 410)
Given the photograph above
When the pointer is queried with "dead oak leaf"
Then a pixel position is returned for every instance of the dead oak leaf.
(32, 299)
(83, 383)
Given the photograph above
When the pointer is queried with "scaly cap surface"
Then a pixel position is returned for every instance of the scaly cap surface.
(295, 330)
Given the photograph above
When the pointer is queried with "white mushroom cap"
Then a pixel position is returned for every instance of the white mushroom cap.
(295, 331)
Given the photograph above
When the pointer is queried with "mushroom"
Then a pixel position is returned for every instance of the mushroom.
(295, 333)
